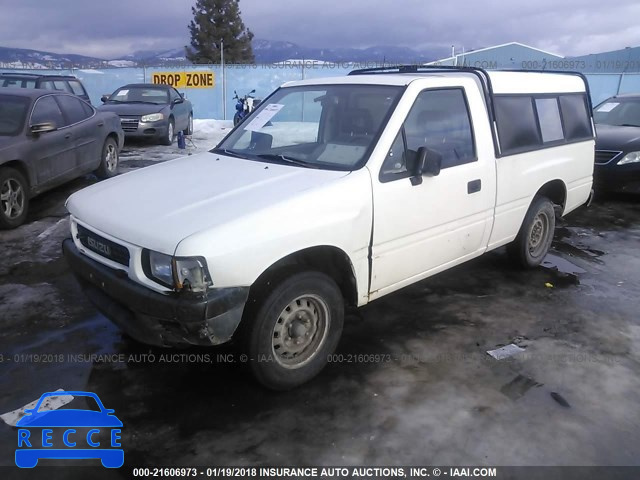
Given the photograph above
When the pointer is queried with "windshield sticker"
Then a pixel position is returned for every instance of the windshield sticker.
(607, 107)
(122, 93)
(263, 117)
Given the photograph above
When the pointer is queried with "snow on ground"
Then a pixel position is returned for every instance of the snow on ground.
(206, 135)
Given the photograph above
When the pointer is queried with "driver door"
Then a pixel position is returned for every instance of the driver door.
(425, 228)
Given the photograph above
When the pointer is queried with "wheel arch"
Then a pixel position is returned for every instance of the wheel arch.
(326, 259)
(22, 167)
(556, 191)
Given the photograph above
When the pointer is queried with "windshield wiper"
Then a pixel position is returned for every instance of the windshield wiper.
(231, 153)
(284, 159)
(139, 101)
(629, 125)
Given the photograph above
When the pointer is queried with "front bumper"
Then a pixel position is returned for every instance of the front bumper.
(145, 130)
(154, 318)
(617, 178)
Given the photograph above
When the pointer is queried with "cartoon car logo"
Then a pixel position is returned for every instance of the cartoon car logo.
(81, 432)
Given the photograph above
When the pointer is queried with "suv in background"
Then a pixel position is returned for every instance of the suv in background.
(63, 83)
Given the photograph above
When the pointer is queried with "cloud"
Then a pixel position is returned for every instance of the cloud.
(119, 27)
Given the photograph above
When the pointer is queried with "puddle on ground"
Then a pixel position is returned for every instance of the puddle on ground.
(561, 265)
(517, 387)
(590, 254)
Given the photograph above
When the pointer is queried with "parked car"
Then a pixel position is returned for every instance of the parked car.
(333, 193)
(617, 165)
(47, 139)
(63, 83)
(150, 111)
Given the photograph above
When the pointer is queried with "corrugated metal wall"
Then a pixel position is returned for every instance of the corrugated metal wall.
(208, 102)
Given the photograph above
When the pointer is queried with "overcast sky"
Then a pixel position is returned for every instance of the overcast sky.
(113, 28)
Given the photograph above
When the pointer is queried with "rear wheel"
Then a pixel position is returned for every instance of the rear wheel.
(295, 328)
(14, 200)
(536, 234)
(168, 139)
(110, 160)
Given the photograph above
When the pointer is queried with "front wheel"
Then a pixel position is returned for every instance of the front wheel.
(168, 138)
(294, 330)
(109, 161)
(14, 199)
(536, 234)
(236, 119)
(189, 129)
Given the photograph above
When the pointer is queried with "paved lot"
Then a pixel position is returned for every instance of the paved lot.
(411, 383)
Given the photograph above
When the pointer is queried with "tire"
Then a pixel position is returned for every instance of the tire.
(536, 234)
(110, 160)
(171, 133)
(189, 129)
(236, 119)
(14, 198)
(294, 329)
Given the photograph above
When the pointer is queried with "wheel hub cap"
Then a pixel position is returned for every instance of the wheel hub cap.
(112, 158)
(12, 199)
(300, 331)
(538, 234)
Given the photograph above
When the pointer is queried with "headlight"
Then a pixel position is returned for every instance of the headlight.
(192, 274)
(158, 267)
(153, 117)
(178, 273)
(633, 157)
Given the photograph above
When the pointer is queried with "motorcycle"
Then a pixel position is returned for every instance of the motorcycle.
(244, 106)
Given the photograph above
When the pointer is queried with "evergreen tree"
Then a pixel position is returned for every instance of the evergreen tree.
(213, 21)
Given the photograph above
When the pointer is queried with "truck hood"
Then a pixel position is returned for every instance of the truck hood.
(158, 206)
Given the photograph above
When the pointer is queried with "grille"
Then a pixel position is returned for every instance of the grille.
(129, 124)
(103, 247)
(605, 156)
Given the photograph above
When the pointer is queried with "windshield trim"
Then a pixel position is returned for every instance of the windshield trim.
(401, 89)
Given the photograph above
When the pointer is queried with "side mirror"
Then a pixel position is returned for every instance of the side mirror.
(176, 101)
(45, 127)
(427, 163)
(252, 91)
(105, 98)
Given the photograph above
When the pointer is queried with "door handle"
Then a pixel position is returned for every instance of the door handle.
(67, 136)
(101, 124)
(474, 186)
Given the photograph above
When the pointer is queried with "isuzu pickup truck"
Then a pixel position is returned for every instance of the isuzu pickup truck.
(333, 193)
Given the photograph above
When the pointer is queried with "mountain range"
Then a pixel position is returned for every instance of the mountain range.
(265, 51)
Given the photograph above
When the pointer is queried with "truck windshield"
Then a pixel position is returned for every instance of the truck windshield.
(13, 110)
(317, 126)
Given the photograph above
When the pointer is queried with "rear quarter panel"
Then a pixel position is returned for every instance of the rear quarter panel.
(520, 177)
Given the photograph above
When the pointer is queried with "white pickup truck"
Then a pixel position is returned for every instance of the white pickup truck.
(333, 193)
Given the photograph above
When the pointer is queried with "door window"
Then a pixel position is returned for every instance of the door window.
(72, 108)
(47, 110)
(438, 120)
